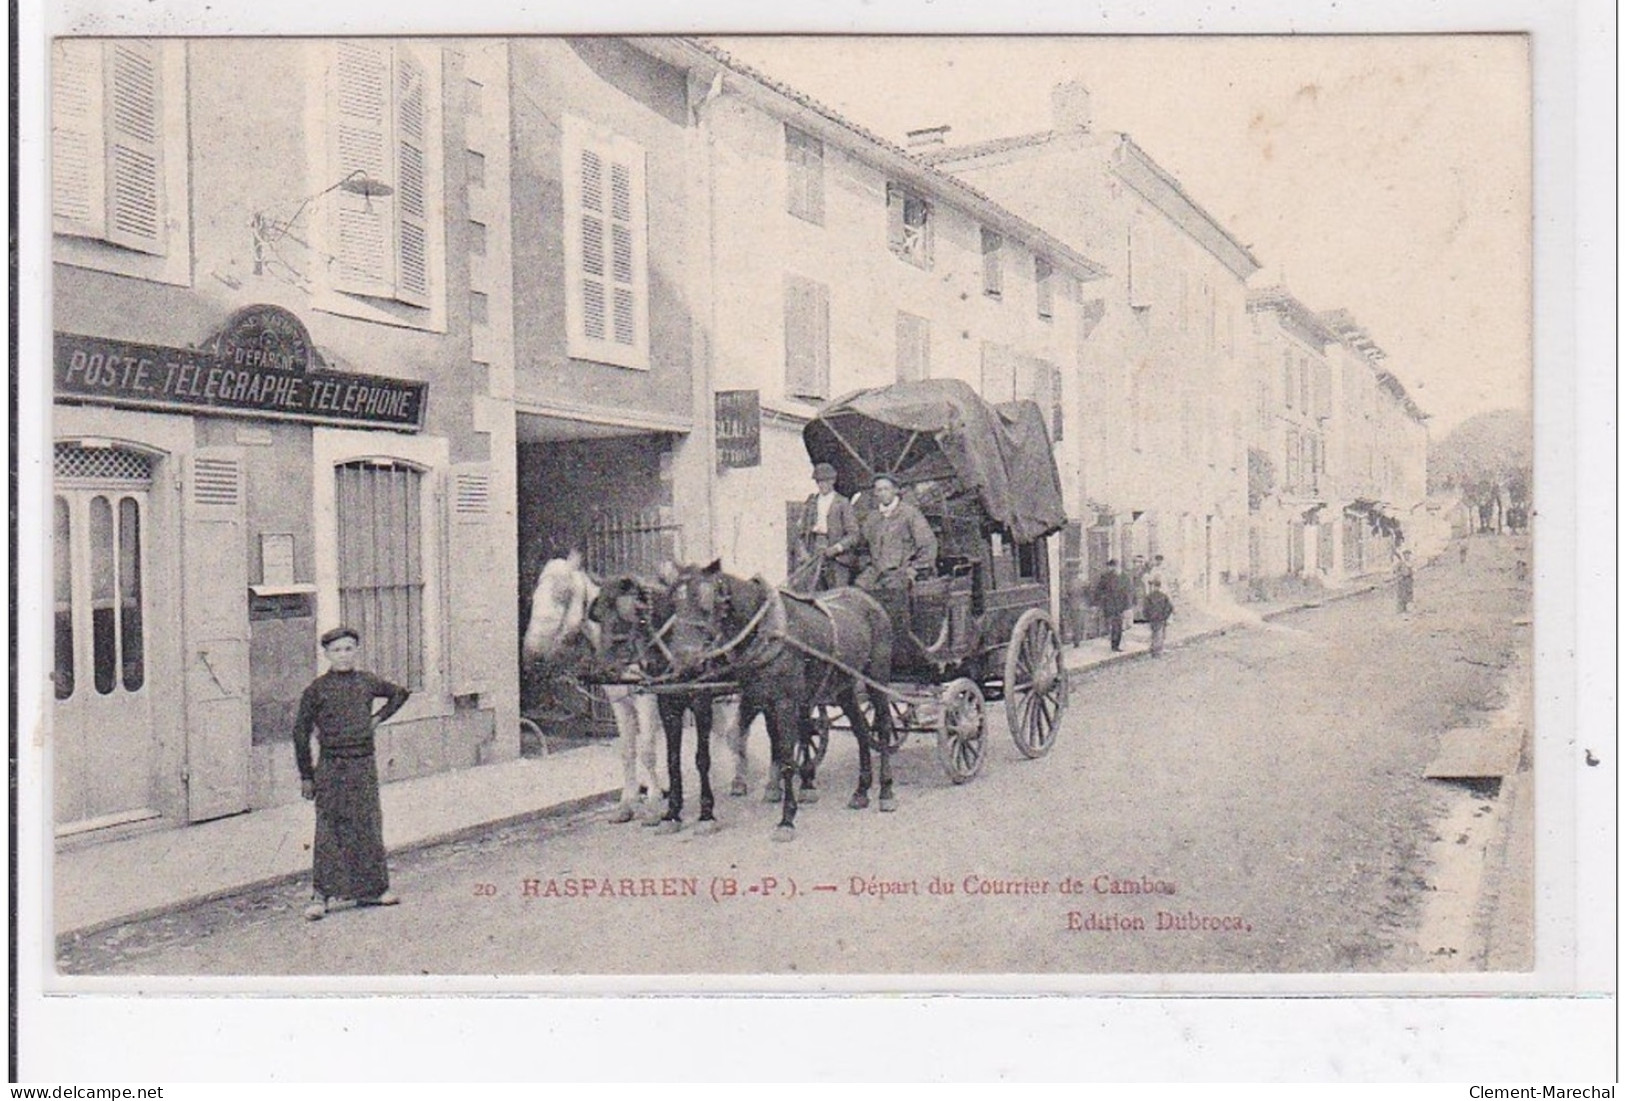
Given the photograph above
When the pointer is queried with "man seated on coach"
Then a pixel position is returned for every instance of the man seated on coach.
(901, 544)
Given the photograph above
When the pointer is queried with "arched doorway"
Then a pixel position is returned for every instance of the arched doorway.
(103, 733)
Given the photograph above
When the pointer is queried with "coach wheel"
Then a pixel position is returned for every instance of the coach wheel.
(816, 743)
(1034, 683)
(962, 730)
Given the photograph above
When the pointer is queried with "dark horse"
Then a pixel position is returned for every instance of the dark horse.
(764, 640)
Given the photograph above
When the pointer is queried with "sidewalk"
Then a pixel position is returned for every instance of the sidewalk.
(1195, 624)
(117, 881)
(106, 884)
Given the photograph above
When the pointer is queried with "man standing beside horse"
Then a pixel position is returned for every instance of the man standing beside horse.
(826, 519)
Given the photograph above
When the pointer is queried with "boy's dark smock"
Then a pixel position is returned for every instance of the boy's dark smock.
(349, 858)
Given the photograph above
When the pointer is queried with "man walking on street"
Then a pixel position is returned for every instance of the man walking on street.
(1405, 578)
(1158, 610)
(1114, 593)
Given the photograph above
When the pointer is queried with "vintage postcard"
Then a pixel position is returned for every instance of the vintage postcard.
(677, 512)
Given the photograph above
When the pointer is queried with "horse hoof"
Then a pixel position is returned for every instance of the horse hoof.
(707, 827)
(622, 814)
(887, 804)
(809, 795)
(784, 833)
(669, 825)
(857, 802)
(739, 787)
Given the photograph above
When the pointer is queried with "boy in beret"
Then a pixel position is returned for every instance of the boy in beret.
(349, 851)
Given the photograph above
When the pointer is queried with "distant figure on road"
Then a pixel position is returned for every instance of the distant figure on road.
(1405, 578)
(1114, 593)
(1464, 552)
(1158, 610)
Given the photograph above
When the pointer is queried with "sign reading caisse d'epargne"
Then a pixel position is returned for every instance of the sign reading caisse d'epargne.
(116, 372)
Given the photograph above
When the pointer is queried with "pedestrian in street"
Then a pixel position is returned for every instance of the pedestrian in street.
(349, 861)
(1464, 552)
(1158, 610)
(899, 538)
(827, 518)
(1139, 578)
(1405, 582)
(1114, 594)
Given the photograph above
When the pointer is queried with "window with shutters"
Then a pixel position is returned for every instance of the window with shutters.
(806, 338)
(380, 564)
(1044, 286)
(908, 221)
(384, 126)
(1288, 383)
(804, 171)
(118, 157)
(605, 246)
(1140, 292)
(913, 347)
(992, 264)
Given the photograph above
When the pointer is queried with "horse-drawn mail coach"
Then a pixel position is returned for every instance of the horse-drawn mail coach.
(977, 628)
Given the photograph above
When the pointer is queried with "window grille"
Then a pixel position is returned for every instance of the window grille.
(381, 576)
(103, 464)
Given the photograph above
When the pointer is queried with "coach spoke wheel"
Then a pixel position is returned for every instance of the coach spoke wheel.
(962, 730)
(902, 721)
(1034, 683)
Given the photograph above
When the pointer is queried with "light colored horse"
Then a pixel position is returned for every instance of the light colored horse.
(561, 610)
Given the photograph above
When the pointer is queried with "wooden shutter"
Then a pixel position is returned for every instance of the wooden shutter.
(135, 168)
(1139, 264)
(214, 602)
(78, 155)
(411, 204)
(913, 347)
(806, 337)
(992, 263)
(363, 144)
(606, 251)
(998, 372)
(470, 592)
(804, 168)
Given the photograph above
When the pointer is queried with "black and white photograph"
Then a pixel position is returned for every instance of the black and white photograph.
(653, 512)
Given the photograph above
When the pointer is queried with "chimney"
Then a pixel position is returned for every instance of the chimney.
(932, 137)
(1069, 108)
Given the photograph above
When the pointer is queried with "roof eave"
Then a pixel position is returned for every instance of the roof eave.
(892, 159)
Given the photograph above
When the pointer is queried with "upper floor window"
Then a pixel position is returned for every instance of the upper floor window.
(605, 247)
(913, 347)
(908, 225)
(119, 157)
(1044, 283)
(992, 264)
(806, 338)
(385, 128)
(1289, 385)
(107, 143)
(804, 169)
(1140, 291)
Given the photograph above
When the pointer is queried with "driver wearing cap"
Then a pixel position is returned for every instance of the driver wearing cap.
(827, 518)
(900, 541)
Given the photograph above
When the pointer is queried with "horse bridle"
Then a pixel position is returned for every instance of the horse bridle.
(757, 651)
